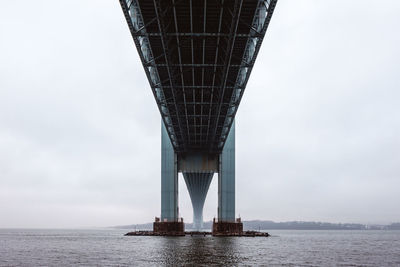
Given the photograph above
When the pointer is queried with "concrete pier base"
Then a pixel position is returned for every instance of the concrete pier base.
(227, 228)
(175, 228)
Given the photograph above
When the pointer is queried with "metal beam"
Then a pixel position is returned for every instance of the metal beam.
(161, 28)
(234, 26)
(215, 62)
(195, 34)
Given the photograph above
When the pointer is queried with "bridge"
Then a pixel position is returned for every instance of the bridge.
(198, 56)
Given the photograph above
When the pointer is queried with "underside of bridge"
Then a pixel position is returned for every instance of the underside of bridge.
(198, 56)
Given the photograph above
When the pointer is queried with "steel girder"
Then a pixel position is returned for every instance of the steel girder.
(198, 56)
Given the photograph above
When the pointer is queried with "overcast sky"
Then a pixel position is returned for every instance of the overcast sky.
(317, 132)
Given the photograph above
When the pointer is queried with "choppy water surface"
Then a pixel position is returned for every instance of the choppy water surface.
(111, 248)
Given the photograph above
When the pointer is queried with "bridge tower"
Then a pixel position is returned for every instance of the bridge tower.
(198, 170)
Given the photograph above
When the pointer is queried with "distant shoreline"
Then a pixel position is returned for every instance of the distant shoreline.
(292, 225)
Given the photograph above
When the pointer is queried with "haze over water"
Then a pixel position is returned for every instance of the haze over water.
(317, 139)
(286, 247)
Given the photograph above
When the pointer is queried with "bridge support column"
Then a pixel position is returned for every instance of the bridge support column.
(169, 223)
(226, 223)
(226, 180)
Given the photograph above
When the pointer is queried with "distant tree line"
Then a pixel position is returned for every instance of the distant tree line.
(270, 225)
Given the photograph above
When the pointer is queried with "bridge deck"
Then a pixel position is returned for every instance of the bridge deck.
(198, 55)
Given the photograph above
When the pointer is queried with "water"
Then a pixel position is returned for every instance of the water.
(111, 248)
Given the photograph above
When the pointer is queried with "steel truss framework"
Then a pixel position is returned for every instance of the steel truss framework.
(198, 56)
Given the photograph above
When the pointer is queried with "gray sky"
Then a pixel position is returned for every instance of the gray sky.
(318, 129)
